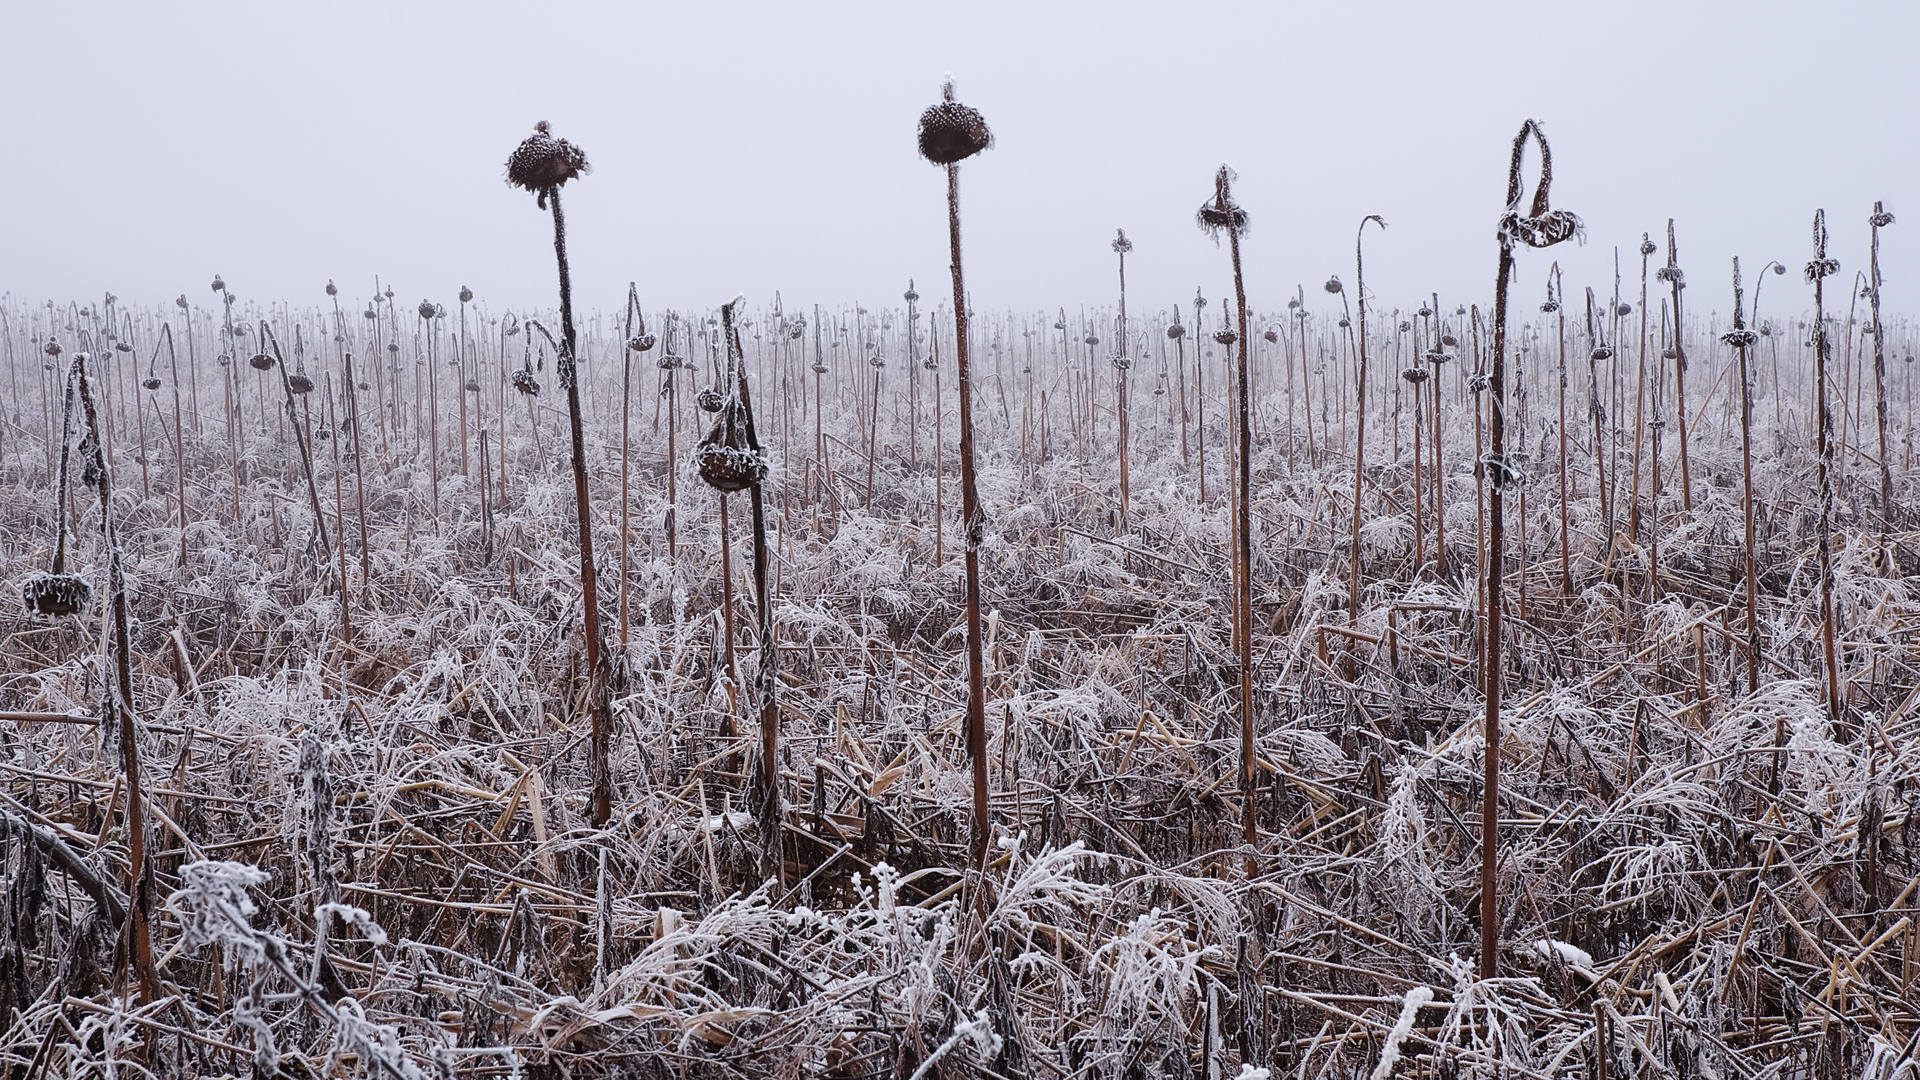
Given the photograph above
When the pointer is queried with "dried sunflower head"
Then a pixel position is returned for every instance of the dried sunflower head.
(300, 384)
(50, 596)
(542, 163)
(951, 132)
(261, 362)
(1220, 212)
(524, 382)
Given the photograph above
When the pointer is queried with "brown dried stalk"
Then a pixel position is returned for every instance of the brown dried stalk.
(1671, 274)
(949, 134)
(118, 703)
(542, 164)
(1817, 271)
(1880, 220)
(1360, 428)
(1219, 215)
(1742, 339)
(1541, 227)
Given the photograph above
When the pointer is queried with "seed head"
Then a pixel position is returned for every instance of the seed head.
(641, 343)
(219, 285)
(1415, 375)
(1220, 212)
(150, 383)
(1122, 245)
(466, 295)
(1176, 331)
(542, 163)
(1623, 309)
(300, 384)
(261, 362)
(181, 301)
(1270, 335)
(1334, 287)
(1739, 339)
(524, 382)
(1646, 245)
(1880, 219)
(1225, 336)
(50, 596)
(1601, 352)
(52, 348)
(427, 309)
(951, 132)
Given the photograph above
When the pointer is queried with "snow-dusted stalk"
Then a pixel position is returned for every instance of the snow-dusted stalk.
(949, 134)
(766, 680)
(1677, 281)
(119, 698)
(306, 457)
(1559, 311)
(1217, 215)
(541, 164)
(1121, 361)
(1817, 271)
(1742, 339)
(1541, 227)
(1360, 426)
(1880, 220)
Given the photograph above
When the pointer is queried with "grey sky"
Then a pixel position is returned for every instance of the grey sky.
(754, 147)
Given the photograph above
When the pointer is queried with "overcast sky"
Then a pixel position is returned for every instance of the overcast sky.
(755, 147)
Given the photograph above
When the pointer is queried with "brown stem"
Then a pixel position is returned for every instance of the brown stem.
(598, 700)
(974, 520)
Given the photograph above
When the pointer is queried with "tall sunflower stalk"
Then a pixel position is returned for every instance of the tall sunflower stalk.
(1818, 270)
(1217, 215)
(542, 164)
(949, 134)
(1539, 227)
